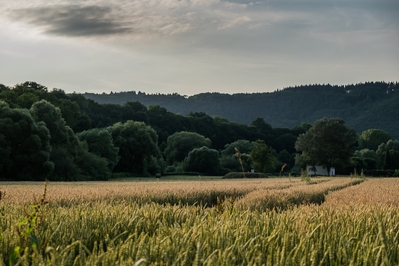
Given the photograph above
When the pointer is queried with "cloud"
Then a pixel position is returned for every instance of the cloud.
(73, 20)
(131, 19)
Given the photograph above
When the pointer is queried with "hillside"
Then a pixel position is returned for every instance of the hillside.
(362, 106)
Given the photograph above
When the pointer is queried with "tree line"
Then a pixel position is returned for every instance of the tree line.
(362, 106)
(68, 137)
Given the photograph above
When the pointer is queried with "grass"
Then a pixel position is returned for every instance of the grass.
(208, 222)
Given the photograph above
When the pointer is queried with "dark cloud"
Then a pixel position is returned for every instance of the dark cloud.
(73, 20)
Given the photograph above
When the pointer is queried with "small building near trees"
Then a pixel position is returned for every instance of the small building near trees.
(320, 170)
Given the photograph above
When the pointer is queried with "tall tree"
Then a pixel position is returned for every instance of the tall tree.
(372, 138)
(71, 157)
(261, 156)
(24, 146)
(138, 147)
(327, 143)
(181, 143)
(100, 142)
(229, 159)
(389, 154)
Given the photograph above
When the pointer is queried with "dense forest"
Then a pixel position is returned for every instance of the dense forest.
(48, 133)
(362, 106)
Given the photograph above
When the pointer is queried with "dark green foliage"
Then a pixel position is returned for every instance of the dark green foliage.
(24, 146)
(134, 111)
(52, 117)
(261, 157)
(100, 143)
(71, 157)
(288, 107)
(203, 160)
(65, 114)
(229, 160)
(138, 148)
(26, 94)
(366, 159)
(72, 115)
(65, 168)
(327, 143)
(181, 143)
(92, 167)
(284, 140)
(372, 138)
(62, 141)
(388, 154)
(244, 146)
(27, 99)
(284, 158)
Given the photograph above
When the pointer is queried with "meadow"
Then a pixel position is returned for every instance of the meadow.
(206, 221)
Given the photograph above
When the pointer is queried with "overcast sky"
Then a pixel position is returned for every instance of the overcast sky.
(194, 46)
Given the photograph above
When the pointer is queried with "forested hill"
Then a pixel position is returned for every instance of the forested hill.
(362, 106)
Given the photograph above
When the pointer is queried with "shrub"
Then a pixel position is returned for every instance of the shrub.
(232, 175)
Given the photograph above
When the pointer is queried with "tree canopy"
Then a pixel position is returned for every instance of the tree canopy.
(204, 160)
(181, 143)
(24, 146)
(229, 158)
(372, 138)
(138, 147)
(89, 140)
(327, 143)
(100, 142)
(261, 156)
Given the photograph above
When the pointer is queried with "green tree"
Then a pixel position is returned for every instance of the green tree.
(388, 154)
(100, 142)
(260, 124)
(327, 143)
(71, 157)
(138, 147)
(261, 157)
(26, 100)
(204, 160)
(181, 143)
(91, 166)
(229, 159)
(302, 128)
(135, 111)
(366, 158)
(284, 158)
(62, 141)
(24, 146)
(73, 116)
(51, 115)
(372, 138)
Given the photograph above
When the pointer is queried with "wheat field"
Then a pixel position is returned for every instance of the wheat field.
(277, 221)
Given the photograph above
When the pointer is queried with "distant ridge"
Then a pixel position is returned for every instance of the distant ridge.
(362, 106)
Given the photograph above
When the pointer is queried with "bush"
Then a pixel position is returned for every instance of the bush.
(233, 175)
(203, 160)
(170, 169)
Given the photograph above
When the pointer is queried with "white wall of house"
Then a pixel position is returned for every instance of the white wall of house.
(320, 170)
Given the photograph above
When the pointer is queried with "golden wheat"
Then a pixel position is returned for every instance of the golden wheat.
(121, 223)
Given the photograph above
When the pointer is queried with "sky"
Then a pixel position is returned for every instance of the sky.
(194, 46)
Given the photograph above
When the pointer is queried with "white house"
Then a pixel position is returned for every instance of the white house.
(320, 170)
